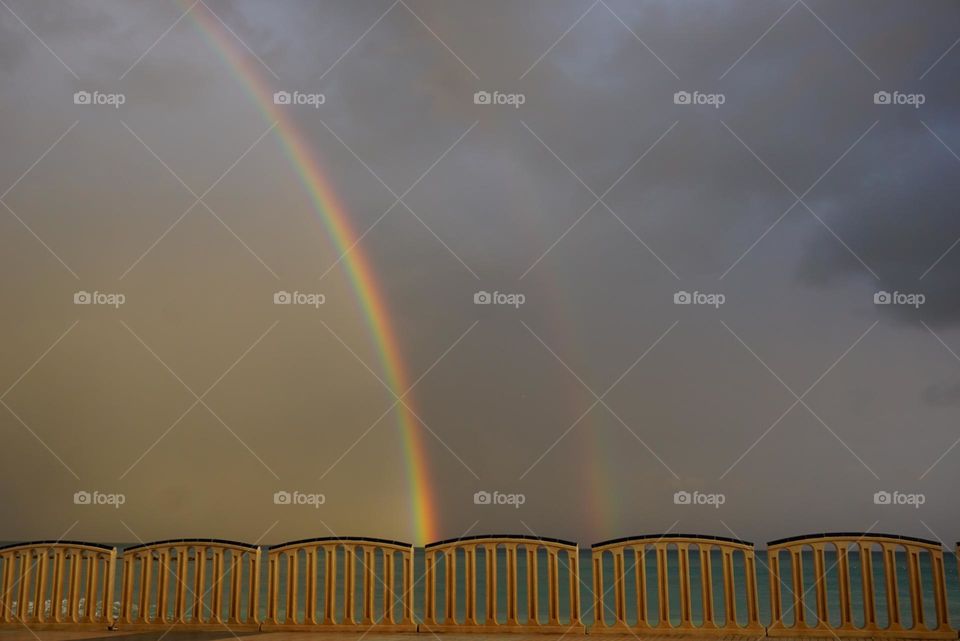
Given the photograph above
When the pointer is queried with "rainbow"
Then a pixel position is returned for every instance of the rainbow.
(358, 266)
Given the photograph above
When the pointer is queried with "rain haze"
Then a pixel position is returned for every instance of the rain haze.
(422, 269)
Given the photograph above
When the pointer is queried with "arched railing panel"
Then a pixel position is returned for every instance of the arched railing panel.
(342, 583)
(49, 583)
(883, 569)
(190, 583)
(496, 571)
(678, 583)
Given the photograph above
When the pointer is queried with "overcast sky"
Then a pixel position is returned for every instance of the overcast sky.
(789, 200)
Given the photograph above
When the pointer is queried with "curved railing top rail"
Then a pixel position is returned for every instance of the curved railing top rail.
(852, 537)
(98, 547)
(520, 539)
(672, 538)
(237, 545)
(346, 540)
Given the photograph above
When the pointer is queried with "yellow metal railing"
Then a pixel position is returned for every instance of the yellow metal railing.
(57, 582)
(632, 559)
(882, 561)
(314, 583)
(190, 582)
(522, 570)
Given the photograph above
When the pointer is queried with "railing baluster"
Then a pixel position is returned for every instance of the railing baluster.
(310, 587)
(663, 588)
(368, 584)
(470, 584)
(706, 587)
(640, 578)
(683, 559)
(866, 578)
(599, 614)
(553, 589)
(819, 583)
(330, 584)
(573, 564)
(490, 554)
(890, 576)
(843, 584)
(199, 576)
(915, 587)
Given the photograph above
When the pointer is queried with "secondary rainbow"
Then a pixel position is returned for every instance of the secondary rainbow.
(358, 267)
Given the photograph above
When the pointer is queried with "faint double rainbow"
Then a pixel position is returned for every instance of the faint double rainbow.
(358, 268)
